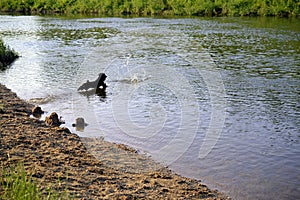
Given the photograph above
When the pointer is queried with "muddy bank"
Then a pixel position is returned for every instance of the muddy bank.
(61, 160)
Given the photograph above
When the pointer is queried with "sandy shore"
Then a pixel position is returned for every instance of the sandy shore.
(84, 167)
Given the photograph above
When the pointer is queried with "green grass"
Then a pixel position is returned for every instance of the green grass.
(7, 55)
(15, 184)
(157, 7)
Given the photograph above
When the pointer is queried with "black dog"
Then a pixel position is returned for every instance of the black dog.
(97, 84)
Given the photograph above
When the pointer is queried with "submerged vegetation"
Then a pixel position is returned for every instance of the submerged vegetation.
(7, 55)
(157, 7)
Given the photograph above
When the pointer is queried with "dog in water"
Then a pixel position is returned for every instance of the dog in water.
(97, 84)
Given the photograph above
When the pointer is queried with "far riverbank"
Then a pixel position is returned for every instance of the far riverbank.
(156, 8)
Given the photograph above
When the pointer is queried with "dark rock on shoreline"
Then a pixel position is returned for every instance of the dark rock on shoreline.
(37, 111)
(53, 120)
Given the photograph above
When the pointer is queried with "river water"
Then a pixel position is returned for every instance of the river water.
(215, 99)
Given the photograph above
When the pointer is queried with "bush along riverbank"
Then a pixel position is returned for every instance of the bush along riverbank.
(7, 55)
(156, 7)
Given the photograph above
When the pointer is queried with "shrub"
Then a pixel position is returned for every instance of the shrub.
(7, 55)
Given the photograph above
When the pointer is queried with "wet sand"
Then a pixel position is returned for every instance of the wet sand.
(85, 168)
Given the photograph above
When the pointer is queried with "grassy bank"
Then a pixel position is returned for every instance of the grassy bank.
(16, 184)
(7, 55)
(157, 7)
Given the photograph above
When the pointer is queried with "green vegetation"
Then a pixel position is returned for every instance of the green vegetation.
(157, 7)
(15, 184)
(7, 55)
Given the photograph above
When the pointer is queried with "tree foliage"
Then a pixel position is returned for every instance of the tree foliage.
(157, 7)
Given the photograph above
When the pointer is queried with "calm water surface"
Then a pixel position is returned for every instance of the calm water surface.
(171, 82)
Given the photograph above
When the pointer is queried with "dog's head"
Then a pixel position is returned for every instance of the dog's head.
(102, 77)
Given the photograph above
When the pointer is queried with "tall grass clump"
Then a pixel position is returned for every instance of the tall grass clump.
(7, 55)
(15, 184)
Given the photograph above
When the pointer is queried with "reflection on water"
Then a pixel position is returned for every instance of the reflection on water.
(91, 93)
(71, 35)
(258, 153)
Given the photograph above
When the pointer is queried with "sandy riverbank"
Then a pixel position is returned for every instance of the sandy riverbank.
(86, 168)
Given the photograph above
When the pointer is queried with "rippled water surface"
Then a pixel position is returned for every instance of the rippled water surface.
(215, 99)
